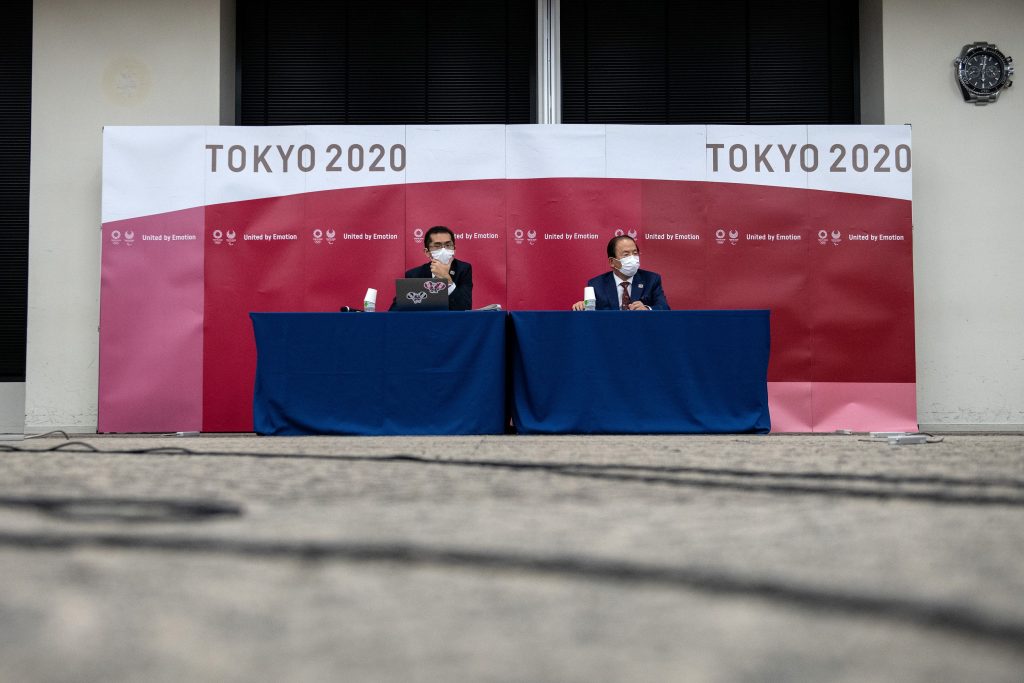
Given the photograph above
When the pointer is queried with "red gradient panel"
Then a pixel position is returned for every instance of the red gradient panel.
(475, 211)
(263, 271)
(757, 258)
(673, 214)
(842, 307)
(151, 324)
(862, 299)
(558, 231)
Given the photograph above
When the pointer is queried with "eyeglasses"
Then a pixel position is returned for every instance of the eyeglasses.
(439, 245)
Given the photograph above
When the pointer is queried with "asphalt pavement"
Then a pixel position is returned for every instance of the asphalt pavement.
(512, 558)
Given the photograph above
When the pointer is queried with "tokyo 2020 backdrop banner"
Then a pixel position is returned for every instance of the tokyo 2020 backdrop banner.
(202, 225)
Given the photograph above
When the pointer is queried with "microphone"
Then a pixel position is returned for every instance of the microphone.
(346, 309)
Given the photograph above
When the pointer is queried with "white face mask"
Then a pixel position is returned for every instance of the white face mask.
(629, 265)
(443, 255)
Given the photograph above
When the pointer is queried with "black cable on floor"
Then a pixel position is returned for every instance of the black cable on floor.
(132, 510)
(639, 474)
(957, 619)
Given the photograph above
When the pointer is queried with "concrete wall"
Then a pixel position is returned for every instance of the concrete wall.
(12, 407)
(968, 211)
(96, 63)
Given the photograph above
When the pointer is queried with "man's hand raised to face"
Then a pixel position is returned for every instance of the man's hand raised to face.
(440, 270)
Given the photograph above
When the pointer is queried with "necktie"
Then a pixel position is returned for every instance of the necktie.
(626, 301)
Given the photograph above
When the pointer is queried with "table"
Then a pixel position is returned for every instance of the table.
(655, 372)
(380, 373)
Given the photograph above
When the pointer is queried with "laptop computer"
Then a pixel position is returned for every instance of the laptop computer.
(421, 294)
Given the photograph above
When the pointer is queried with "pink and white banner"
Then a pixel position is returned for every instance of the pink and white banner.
(202, 225)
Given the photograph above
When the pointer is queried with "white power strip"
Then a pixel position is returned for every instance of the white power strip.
(904, 439)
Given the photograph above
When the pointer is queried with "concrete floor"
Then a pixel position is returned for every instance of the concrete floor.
(512, 558)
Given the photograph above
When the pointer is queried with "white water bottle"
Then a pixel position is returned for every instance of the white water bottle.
(589, 299)
(370, 300)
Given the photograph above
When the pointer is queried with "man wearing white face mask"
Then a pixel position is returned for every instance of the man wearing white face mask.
(439, 247)
(626, 287)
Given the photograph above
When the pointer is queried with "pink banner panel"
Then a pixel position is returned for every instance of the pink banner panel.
(790, 405)
(854, 406)
(863, 406)
(151, 324)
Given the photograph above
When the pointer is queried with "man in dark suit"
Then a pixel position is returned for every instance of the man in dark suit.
(439, 246)
(626, 287)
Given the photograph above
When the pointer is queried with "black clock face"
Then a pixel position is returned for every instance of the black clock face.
(982, 72)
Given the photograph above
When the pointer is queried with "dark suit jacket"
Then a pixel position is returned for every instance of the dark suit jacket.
(462, 275)
(646, 287)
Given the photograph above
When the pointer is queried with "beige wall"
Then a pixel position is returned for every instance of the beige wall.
(968, 210)
(95, 63)
(99, 62)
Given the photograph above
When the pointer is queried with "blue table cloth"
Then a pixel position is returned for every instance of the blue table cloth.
(380, 373)
(656, 372)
